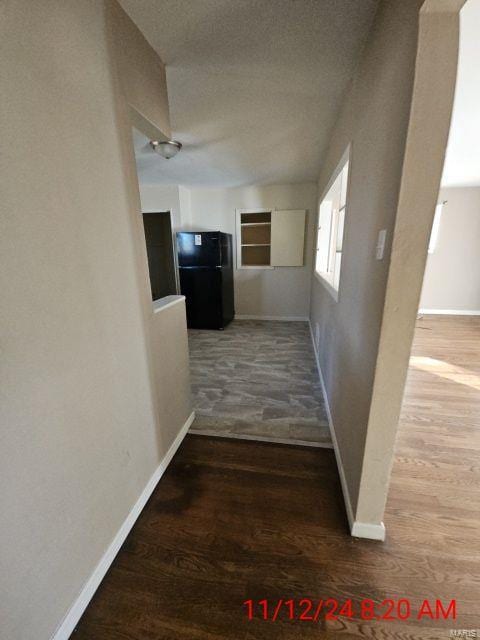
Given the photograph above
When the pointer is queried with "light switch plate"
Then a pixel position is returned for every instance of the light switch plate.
(380, 249)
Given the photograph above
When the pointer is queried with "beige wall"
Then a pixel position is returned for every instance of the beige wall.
(84, 413)
(374, 120)
(452, 275)
(171, 364)
(435, 77)
(279, 292)
(142, 78)
(173, 198)
(365, 338)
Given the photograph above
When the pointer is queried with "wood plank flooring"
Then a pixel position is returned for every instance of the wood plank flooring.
(233, 520)
(258, 380)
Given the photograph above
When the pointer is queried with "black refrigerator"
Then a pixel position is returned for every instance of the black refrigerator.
(205, 263)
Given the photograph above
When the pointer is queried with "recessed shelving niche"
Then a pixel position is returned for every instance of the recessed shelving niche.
(255, 230)
(270, 238)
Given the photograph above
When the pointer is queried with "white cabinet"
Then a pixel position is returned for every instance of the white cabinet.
(268, 238)
(287, 238)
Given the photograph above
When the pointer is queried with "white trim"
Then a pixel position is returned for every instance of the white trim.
(255, 224)
(284, 318)
(167, 301)
(328, 285)
(341, 472)
(432, 243)
(211, 433)
(449, 312)
(78, 607)
(357, 529)
(255, 210)
(238, 238)
(327, 279)
(346, 157)
(255, 266)
(367, 530)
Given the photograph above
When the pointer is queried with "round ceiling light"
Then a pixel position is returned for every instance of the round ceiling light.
(167, 148)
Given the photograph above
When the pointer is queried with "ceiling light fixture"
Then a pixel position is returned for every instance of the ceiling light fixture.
(167, 148)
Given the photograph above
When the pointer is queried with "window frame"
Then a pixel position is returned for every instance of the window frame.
(435, 232)
(328, 278)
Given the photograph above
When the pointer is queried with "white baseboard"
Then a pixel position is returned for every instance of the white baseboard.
(449, 312)
(341, 472)
(284, 318)
(357, 529)
(75, 612)
(367, 530)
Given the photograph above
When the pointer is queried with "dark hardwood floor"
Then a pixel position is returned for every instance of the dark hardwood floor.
(237, 520)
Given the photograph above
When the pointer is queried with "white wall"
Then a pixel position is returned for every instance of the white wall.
(452, 275)
(173, 198)
(86, 417)
(462, 161)
(280, 292)
(185, 199)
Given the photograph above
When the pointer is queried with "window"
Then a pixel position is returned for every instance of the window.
(331, 223)
(435, 227)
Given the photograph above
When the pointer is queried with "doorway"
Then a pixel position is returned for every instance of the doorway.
(160, 254)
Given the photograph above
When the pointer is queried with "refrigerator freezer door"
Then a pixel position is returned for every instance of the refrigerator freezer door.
(198, 249)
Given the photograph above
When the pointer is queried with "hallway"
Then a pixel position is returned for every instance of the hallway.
(288, 164)
(258, 380)
(232, 521)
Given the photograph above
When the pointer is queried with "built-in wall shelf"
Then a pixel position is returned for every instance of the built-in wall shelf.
(270, 238)
(255, 217)
(256, 224)
(255, 236)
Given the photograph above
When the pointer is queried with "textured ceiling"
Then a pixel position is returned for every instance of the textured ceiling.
(462, 162)
(254, 85)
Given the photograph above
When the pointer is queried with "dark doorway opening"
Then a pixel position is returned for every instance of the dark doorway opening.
(161, 254)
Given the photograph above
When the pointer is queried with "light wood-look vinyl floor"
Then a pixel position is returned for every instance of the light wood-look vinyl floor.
(258, 380)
